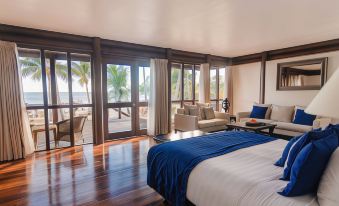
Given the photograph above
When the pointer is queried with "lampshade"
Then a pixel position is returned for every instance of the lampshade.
(326, 102)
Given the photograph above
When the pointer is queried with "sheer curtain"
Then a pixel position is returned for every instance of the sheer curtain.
(158, 117)
(15, 136)
(204, 83)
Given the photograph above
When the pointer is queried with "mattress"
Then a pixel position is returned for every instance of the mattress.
(243, 177)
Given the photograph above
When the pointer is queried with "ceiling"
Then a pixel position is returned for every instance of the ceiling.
(220, 27)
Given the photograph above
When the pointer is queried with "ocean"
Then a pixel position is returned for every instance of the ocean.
(34, 98)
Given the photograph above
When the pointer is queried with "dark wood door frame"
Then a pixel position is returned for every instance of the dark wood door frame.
(262, 78)
(134, 104)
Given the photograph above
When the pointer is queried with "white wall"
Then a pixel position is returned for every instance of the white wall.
(246, 86)
(301, 98)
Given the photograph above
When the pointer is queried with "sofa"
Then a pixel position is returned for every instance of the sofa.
(283, 120)
(183, 121)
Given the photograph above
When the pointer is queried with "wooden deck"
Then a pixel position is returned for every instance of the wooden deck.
(110, 174)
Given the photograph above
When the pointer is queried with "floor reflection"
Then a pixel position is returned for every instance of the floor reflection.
(113, 173)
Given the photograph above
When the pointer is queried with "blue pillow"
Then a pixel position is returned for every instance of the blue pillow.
(309, 166)
(283, 158)
(299, 145)
(334, 127)
(258, 112)
(303, 118)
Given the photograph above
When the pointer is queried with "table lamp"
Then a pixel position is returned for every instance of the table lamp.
(326, 102)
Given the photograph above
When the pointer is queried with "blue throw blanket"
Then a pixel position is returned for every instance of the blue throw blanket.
(170, 164)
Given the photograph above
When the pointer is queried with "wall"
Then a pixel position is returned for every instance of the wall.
(302, 98)
(246, 86)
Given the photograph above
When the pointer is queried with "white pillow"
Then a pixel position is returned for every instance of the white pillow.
(328, 190)
(282, 113)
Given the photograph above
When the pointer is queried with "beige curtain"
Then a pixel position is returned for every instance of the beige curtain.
(204, 84)
(15, 136)
(229, 87)
(292, 80)
(158, 117)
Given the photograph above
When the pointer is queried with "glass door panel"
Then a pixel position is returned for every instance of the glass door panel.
(126, 94)
(118, 83)
(119, 94)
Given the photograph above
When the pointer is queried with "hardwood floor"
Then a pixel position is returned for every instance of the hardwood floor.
(110, 174)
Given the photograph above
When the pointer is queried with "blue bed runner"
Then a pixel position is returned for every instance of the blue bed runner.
(170, 164)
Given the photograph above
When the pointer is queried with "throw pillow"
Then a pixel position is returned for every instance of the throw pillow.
(187, 108)
(194, 112)
(309, 166)
(303, 118)
(299, 145)
(209, 113)
(328, 189)
(269, 109)
(282, 113)
(201, 107)
(283, 158)
(258, 112)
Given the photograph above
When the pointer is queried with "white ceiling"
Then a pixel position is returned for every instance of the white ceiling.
(219, 27)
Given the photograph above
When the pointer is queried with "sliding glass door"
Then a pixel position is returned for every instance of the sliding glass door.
(57, 92)
(126, 93)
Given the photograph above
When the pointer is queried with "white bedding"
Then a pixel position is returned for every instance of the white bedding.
(244, 177)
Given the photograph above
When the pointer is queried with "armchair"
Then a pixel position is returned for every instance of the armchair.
(184, 122)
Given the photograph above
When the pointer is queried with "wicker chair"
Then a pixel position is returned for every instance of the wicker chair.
(63, 129)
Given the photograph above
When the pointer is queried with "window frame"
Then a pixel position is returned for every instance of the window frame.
(193, 68)
(218, 99)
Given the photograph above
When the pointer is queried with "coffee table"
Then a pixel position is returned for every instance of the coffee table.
(178, 136)
(256, 129)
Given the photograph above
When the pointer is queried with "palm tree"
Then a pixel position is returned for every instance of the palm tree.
(32, 67)
(83, 71)
(117, 82)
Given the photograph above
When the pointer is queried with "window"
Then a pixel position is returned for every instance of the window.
(196, 82)
(188, 82)
(144, 92)
(48, 98)
(176, 81)
(217, 87)
(184, 85)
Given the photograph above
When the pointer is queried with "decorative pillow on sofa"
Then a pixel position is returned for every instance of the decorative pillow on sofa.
(201, 107)
(258, 112)
(269, 109)
(209, 113)
(187, 108)
(309, 166)
(301, 117)
(328, 189)
(194, 112)
(299, 145)
(282, 113)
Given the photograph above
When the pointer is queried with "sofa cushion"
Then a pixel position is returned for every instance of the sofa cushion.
(211, 123)
(258, 112)
(194, 112)
(301, 117)
(201, 107)
(188, 107)
(220, 122)
(209, 113)
(269, 109)
(206, 123)
(293, 127)
(282, 113)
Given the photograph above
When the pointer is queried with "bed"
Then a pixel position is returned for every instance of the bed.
(245, 176)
